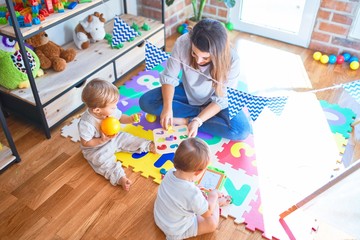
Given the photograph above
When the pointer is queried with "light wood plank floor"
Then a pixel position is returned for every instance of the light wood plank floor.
(54, 194)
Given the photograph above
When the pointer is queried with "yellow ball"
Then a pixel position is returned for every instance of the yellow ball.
(110, 126)
(150, 118)
(354, 65)
(317, 56)
(324, 59)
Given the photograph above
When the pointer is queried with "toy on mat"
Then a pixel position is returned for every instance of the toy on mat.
(167, 141)
(213, 178)
(150, 118)
(110, 126)
(136, 117)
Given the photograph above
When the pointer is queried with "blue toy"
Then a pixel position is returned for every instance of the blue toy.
(347, 56)
(353, 58)
(332, 59)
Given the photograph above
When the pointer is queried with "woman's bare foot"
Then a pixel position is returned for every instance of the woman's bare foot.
(224, 200)
(152, 147)
(125, 183)
(181, 121)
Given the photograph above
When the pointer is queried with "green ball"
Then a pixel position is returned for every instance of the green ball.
(180, 29)
(229, 26)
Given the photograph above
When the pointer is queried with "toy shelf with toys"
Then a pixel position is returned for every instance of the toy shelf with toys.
(56, 95)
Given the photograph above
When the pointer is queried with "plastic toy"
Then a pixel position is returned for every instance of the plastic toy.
(347, 56)
(145, 27)
(332, 59)
(317, 56)
(136, 117)
(150, 118)
(354, 65)
(213, 178)
(110, 126)
(340, 59)
(229, 26)
(353, 58)
(324, 59)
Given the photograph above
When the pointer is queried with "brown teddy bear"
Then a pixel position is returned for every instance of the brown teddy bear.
(50, 54)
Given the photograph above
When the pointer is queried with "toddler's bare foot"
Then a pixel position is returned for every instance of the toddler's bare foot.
(125, 183)
(152, 148)
(224, 200)
(181, 121)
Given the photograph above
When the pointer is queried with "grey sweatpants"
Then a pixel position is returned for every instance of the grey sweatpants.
(102, 159)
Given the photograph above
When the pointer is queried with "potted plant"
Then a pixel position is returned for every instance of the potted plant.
(198, 10)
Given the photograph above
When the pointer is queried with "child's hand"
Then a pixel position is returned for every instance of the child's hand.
(136, 117)
(106, 138)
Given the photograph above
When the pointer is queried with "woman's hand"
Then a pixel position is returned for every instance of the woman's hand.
(166, 118)
(193, 128)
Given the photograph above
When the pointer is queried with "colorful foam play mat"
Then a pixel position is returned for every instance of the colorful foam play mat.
(289, 155)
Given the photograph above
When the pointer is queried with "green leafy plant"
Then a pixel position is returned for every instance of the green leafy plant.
(198, 10)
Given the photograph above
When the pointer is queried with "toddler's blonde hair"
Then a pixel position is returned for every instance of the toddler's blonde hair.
(99, 93)
(193, 154)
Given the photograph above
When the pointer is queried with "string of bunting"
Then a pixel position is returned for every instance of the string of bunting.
(236, 99)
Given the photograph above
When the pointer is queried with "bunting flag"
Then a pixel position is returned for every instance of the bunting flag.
(277, 104)
(236, 101)
(256, 105)
(154, 56)
(122, 32)
(353, 88)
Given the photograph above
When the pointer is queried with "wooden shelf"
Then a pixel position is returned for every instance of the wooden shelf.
(86, 63)
(6, 157)
(51, 20)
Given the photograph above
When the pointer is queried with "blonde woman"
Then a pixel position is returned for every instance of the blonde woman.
(198, 99)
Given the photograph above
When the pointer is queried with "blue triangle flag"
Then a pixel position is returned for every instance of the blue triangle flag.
(122, 32)
(353, 88)
(154, 56)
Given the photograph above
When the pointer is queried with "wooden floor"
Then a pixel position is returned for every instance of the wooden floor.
(54, 194)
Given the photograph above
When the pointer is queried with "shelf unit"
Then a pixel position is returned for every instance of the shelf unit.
(9, 154)
(53, 97)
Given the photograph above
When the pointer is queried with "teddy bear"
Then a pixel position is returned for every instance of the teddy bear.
(89, 30)
(51, 55)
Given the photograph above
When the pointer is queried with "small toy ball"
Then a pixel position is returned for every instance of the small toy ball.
(185, 30)
(347, 56)
(163, 171)
(110, 126)
(150, 118)
(324, 59)
(354, 65)
(339, 59)
(180, 29)
(332, 59)
(317, 56)
(353, 58)
(229, 26)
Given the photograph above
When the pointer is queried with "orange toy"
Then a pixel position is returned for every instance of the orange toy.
(110, 126)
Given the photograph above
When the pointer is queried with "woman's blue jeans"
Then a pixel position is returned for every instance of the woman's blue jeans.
(238, 128)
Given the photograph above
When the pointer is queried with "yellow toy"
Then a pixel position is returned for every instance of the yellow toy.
(110, 126)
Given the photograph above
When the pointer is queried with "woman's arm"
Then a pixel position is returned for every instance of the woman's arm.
(166, 117)
(211, 110)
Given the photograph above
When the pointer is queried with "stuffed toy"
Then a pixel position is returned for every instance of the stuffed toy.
(51, 55)
(13, 73)
(89, 30)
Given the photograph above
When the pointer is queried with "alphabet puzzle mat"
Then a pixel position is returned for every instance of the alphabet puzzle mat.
(236, 158)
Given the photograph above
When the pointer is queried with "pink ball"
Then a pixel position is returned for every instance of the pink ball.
(340, 59)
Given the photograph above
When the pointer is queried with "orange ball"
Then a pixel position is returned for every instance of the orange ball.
(110, 126)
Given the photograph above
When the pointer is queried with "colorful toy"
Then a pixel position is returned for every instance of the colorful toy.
(213, 178)
(324, 59)
(110, 126)
(332, 59)
(354, 65)
(353, 58)
(347, 56)
(340, 59)
(229, 26)
(317, 56)
(51, 55)
(136, 117)
(13, 74)
(89, 30)
(150, 118)
(167, 141)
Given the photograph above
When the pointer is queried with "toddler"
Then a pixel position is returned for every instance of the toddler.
(181, 210)
(100, 98)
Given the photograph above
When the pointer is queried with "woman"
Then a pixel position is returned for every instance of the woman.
(199, 99)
